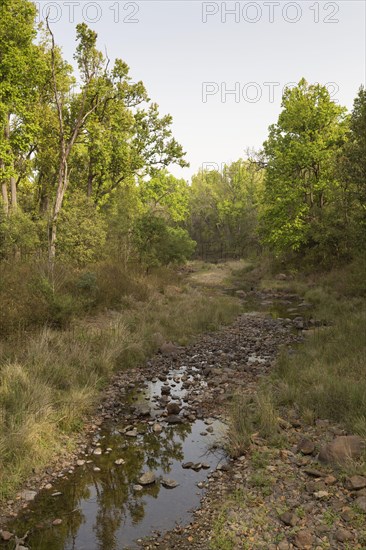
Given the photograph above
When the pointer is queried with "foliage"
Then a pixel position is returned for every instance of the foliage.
(82, 233)
(301, 188)
(223, 210)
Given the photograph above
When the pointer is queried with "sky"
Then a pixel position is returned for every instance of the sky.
(219, 68)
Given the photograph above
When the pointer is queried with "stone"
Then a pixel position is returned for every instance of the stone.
(288, 518)
(355, 483)
(173, 408)
(6, 535)
(174, 419)
(97, 451)
(96, 469)
(342, 449)
(330, 480)
(306, 446)
(303, 539)
(187, 465)
(342, 535)
(360, 502)
(80, 462)
(147, 479)
(321, 495)
(57, 521)
(157, 428)
(168, 348)
(312, 472)
(56, 494)
(28, 495)
(142, 409)
(131, 433)
(346, 514)
(169, 483)
(119, 462)
(137, 488)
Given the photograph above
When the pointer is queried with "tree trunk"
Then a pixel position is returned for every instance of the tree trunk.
(13, 190)
(4, 194)
(61, 188)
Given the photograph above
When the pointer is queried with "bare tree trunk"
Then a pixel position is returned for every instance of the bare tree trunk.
(4, 194)
(61, 188)
(13, 191)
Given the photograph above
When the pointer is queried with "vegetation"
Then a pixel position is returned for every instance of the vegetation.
(90, 217)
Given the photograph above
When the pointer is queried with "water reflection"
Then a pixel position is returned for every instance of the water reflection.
(102, 510)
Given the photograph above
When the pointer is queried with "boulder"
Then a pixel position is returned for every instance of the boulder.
(147, 479)
(173, 408)
(306, 446)
(342, 449)
(168, 348)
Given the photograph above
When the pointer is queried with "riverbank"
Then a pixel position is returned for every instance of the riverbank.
(273, 492)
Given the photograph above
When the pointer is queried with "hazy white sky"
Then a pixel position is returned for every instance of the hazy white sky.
(191, 54)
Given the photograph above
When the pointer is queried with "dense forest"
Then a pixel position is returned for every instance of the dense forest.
(84, 169)
(91, 216)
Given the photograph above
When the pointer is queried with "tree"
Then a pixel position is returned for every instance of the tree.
(223, 209)
(72, 117)
(300, 182)
(18, 74)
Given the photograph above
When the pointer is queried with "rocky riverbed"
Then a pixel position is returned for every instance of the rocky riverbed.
(151, 469)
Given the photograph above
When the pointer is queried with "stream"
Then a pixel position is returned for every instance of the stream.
(101, 503)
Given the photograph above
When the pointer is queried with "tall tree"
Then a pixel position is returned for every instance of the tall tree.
(300, 178)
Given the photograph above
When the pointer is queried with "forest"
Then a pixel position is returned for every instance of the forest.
(93, 224)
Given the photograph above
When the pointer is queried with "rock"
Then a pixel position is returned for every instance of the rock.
(147, 479)
(346, 514)
(57, 521)
(283, 545)
(119, 462)
(330, 480)
(355, 483)
(321, 495)
(288, 518)
(137, 488)
(187, 465)
(157, 428)
(168, 348)
(6, 535)
(27, 495)
(80, 462)
(303, 539)
(173, 408)
(312, 472)
(97, 451)
(174, 419)
(165, 390)
(142, 409)
(360, 502)
(56, 494)
(341, 449)
(342, 535)
(281, 277)
(169, 483)
(306, 446)
(131, 433)
(96, 469)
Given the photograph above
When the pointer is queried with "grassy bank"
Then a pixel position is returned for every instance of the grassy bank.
(326, 376)
(51, 377)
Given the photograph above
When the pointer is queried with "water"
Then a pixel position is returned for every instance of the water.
(102, 510)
